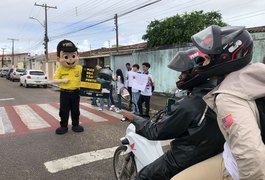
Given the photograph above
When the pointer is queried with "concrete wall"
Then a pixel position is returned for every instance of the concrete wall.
(259, 47)
(119, 62)
(164, 77)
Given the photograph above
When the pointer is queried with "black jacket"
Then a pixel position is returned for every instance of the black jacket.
(191, 124)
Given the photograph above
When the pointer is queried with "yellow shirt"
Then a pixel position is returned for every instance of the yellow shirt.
(73, 74)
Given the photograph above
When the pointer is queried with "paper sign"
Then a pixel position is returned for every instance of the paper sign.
(140, 81)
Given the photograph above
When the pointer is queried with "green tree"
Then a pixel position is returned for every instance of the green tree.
(178, 29)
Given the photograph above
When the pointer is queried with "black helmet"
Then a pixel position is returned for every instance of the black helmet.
(186, 61)
(104, 77)
(105, 73)
(230, 49)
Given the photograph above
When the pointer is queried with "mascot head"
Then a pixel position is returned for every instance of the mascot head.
(67, 53)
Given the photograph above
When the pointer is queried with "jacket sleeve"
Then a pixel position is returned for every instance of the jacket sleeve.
(171, 125)
(238, 121)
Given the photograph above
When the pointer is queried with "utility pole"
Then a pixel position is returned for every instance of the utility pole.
(46, 39)
(3, 50)
(13, 49)
(117, 31)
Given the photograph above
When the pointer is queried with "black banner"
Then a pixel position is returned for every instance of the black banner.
(89, 85)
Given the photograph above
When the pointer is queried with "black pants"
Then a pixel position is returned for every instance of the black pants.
(130, 91)
(69, 101)
(111, 95)
(146, 100)
(164, 168)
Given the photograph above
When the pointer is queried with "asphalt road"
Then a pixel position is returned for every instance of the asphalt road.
(22, 156)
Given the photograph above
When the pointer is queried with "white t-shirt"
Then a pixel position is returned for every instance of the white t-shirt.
(119, 85)
(230, 162)
(127, 78)
(130, 75)
(148, 88)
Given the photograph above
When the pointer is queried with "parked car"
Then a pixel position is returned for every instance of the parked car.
(33, 78)
(3, 72)
(9, 72)
(15, 75)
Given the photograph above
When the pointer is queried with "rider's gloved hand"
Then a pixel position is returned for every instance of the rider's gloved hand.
(129, 116)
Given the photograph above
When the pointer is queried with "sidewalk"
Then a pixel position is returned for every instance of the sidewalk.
(158, 101)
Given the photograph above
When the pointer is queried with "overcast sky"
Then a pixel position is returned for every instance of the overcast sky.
(73, 15)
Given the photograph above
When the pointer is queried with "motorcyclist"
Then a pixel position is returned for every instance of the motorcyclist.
(190, 123)
(229, 51)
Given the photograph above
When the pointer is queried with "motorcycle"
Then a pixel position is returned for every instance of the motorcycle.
(135, 151)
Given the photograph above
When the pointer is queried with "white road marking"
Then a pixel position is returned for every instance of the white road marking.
(7, 99)
(54, 112)
(92, 116)
(79, 160)
(30, 118)
(111, 113)
(5, 124)
(84, 158)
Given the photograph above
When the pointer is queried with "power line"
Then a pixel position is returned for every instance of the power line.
(106, 20)
(113, 9)
(141, 7)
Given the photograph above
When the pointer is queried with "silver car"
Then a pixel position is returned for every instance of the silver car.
(3, 72)
(15, 75)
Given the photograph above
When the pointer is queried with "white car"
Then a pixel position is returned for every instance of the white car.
(34, 78)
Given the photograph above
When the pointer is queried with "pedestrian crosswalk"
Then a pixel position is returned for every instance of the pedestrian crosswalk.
(21, 119)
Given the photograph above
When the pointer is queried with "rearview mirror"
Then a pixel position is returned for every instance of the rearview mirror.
(125, 94)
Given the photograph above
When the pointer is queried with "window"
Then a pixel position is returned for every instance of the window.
(37, 73)
(20, 70)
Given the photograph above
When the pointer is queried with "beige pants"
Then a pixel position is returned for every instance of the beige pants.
(210, 169)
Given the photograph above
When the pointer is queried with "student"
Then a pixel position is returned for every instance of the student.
(111, 103)
(68, 76)
(135, 92)
(110, 100)
(145, 96)
(120, 84)
(128, 83)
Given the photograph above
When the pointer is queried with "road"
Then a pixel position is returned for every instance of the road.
(28, 119)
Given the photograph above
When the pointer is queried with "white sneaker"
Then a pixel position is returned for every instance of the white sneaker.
(118, 110)
(100, 109)
(111, 108)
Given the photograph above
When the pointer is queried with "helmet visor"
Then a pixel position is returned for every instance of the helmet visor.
(181, 62)
(204, 39)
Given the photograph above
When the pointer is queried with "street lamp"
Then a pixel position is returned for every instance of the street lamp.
(46, 39)
(38, 21)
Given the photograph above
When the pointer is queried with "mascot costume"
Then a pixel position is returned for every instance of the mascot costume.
(68, 77)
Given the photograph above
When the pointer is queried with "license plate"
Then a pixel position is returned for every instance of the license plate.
(38, 81)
